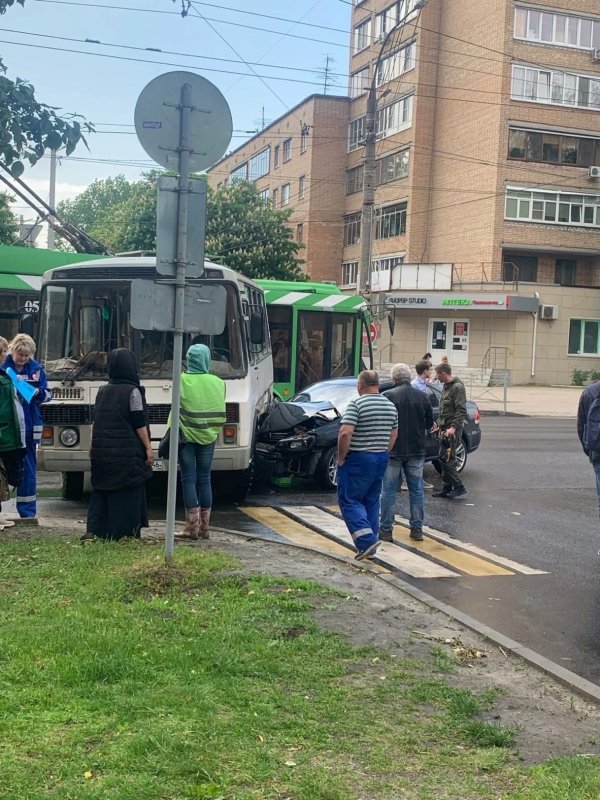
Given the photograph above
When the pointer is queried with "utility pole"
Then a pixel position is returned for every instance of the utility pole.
(368, 203)
(52, 197)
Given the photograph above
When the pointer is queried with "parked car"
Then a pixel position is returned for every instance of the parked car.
(300, 437)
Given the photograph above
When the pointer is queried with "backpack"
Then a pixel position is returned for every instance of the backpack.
(592, 425)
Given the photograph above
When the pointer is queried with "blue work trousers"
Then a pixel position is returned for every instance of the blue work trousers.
(26, 493)
(392, 483)
(359, 493)
(195, 461)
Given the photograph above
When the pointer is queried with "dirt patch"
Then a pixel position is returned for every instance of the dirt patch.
(548, 719)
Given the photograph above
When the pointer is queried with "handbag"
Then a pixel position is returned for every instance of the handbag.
(164, 447)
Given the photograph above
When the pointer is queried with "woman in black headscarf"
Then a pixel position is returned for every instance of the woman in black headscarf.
(121, 453)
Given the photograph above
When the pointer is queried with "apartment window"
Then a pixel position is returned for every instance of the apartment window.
(301, 182)
(553, 148)
(260, 164)
(303, 138)
(565, 30)
(555, 88)
(394, 117)
(396, 64)
(354, 179)
(356, 133)
(389, 17)
(300, 232)
(287, 150)
(516, 267)
(362, 35)
(554, 208)
(391, 221)
(239, 173)
(351, 229)
(276, 156)
(349, 273)
(285, 194)
(584, 337)
(565, 271)
(393, 167)
(264, 195)
(275, 198)
(359, 82)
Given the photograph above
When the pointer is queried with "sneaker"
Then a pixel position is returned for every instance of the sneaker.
(459, 491)
(427, 485)
(368, 551)
(416, 535)
(445, 492)
(87, 537)
(386, 536)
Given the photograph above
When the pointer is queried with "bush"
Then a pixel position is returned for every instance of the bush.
(579, 377)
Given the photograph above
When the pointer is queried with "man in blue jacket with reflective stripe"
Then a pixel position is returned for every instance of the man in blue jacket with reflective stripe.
(20, 357)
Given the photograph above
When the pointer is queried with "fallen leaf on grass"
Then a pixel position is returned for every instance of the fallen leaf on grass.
(89, 774)
(290, 763)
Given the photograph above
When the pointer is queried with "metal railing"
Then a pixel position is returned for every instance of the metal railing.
(504, 272)
(494, 358)
(497, 394)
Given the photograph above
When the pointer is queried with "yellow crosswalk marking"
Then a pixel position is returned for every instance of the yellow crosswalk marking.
(297, 533)
(465, 562)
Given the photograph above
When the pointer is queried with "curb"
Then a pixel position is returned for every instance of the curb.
(571, 680)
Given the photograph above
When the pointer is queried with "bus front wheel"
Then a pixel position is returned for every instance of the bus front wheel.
(232, 487)
(72, 485)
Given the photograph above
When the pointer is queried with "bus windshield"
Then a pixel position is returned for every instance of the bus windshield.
(82, 322)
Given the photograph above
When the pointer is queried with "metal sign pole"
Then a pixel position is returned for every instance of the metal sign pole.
(184, 175)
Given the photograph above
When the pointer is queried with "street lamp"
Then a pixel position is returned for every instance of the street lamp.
(366, 223)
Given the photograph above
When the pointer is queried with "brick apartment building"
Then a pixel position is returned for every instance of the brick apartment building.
(298, 162)
(487, 198)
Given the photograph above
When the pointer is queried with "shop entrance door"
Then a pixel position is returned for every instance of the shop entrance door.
(449, 337)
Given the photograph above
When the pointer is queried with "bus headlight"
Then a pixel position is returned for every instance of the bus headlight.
(69, 437)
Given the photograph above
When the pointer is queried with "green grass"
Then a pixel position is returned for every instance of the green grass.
(121, 679)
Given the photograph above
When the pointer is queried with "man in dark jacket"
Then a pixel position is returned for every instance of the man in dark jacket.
(585, 401)
(453, 412)
(415, 418)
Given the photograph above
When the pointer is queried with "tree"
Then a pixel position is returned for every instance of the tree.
(246, 234)
(9, 229)
(27, 127)
(242, 232)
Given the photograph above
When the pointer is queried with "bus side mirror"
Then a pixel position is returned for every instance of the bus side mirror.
(28, 324)
(257, 328)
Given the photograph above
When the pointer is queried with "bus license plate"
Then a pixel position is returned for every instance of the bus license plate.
(159, 466)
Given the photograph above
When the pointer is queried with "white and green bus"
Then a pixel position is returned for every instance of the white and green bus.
(85, 312)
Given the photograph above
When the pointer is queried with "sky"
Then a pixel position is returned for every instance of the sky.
(104, 89)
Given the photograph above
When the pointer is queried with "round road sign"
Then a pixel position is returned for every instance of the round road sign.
(157, 120)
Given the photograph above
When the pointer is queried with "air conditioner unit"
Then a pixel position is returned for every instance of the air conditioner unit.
(596, 54)
(548, 312)
(594, 172)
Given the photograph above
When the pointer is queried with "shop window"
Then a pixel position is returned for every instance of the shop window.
(584, 337)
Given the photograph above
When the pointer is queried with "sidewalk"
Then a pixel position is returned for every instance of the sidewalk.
(530, 401)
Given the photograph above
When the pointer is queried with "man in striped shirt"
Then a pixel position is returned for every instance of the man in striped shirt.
(368, 432)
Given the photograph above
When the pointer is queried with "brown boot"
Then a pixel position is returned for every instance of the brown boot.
(204, 520)
(192, 524)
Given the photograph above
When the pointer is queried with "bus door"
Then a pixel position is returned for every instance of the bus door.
(326, 346)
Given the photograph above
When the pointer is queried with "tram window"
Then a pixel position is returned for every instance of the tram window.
(342, 346)
(280, 325)
(312, 327)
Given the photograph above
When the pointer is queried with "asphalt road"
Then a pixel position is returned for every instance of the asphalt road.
(531, 498)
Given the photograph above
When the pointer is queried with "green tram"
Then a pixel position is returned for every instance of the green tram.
(317, 332)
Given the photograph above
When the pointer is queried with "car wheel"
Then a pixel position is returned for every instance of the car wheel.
(461, 458)
(326, 472)
(461, 455)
